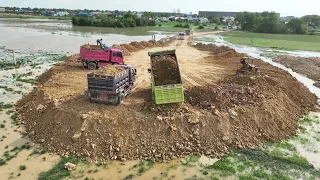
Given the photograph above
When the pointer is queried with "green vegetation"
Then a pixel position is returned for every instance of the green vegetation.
(2, 126)
(190, 160)
(58, 171)
(130, 176)
(268, 22)
(128, 20)
(33, 17)
(5, 106)
(14, 118)
(2, 162)
(22, 167)
(225, 166)
(6, 88)
(279, 41)
(144, 166)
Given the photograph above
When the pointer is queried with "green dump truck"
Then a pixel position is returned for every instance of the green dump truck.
(165, 77)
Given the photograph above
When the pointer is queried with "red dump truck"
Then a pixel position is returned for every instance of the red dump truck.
(95, 58)
(111, 89)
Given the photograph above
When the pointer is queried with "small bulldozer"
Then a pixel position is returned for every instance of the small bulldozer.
(246, 67)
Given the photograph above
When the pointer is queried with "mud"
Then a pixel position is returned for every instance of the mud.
(307, 66)
(224, 111)
(165, 70)
(109, 70)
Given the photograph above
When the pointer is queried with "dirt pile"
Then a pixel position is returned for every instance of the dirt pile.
(109, 70)
(214, 48)
(239, 111)
(147, 44)
(306, 66)
(165, 70)
(137, 45)
(125, 51)
(91, 47)
(129, 47)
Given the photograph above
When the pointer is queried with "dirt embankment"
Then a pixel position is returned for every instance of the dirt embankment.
(309, 67)
(237, 111)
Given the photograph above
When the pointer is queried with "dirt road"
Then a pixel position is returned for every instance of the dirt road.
(221, 111)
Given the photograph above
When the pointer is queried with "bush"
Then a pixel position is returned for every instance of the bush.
(178, 25)
(2, 126)
(216, 28)
(22, 167)
(200, 27)
(160, 25)
(186, 25)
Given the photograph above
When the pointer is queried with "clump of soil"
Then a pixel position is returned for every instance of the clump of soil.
(91, 47)
(137, 45)
(165, 70)
(110, 70)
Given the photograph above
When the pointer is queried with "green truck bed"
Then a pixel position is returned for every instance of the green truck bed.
(166, 93)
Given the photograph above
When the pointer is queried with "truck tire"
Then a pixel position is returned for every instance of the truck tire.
(92, 65)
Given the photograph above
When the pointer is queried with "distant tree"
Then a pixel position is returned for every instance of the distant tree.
(312, 20)
(297, 26)
(216, 20)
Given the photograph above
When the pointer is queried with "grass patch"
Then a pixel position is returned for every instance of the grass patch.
(130, 176)
(6, 88)
(2, 126)
(225, 166)
(14, 118)
(279, 41)
(2, 162)
(22, 167)
(5, 106)
(190, 160)
(58, 171)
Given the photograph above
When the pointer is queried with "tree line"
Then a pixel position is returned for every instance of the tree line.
(128, 20)
(269, 22)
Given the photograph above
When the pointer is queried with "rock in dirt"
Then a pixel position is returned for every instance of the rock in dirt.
(70, 166)
(233, 114)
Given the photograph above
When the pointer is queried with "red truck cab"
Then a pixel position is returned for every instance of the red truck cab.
(93, 59)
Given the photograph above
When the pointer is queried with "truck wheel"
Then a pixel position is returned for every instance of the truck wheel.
(92, 65)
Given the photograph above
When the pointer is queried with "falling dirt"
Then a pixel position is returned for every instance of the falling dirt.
(222, 110)
(165, 69)
(109, 70)
(309, 67)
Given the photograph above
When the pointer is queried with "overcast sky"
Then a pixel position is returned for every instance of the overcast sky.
(285, 7)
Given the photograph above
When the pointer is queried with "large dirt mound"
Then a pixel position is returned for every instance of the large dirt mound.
(306, 66)
(165, 69)
(240, 111)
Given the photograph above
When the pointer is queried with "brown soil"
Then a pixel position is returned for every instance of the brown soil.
(147, 44)
(137, 45)
(129, 47)
(126, 51)
(309, 67)
(165, 69)
(91, 47)
(109, 70)
(222, 110)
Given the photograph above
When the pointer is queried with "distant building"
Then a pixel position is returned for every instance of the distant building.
(222, 13)
(2, 10)
(25, 11)
(287, 18)
(62, 13)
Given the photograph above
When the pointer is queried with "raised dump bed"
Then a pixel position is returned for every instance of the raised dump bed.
(111, 84)
(165, 77)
